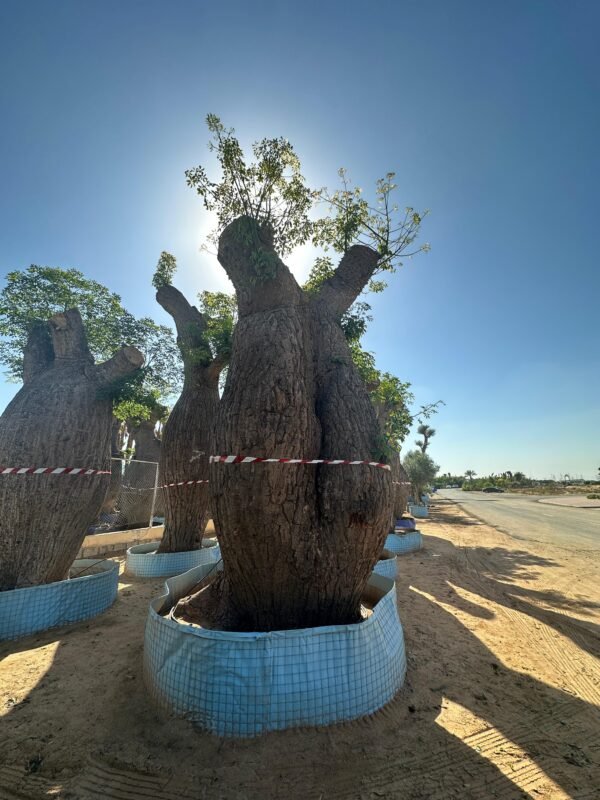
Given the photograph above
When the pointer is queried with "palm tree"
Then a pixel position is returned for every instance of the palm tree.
(426, 432)
(470, 474)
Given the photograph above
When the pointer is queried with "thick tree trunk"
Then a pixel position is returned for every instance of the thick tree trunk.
(188, 431)
(186, 447)
(60, 418)
(141, 473)
(298, 542)
(401, 486)
(147, 443)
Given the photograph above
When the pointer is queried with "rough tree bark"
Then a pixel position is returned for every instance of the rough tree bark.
(61, 417)
(298, 542)
(147, 443)
(188, 431)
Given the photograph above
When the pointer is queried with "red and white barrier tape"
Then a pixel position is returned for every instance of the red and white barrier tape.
(258, 460)
(52, 471)
(179, 483)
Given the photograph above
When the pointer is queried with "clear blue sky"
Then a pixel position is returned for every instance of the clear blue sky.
(488, 112)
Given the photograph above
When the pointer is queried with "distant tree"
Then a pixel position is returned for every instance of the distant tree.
(470, 474)
(37, 293)
(427, 433)
(421, 471)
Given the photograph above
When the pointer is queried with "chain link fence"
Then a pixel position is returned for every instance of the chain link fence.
(133, 499)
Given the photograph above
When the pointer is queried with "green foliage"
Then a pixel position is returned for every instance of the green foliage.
(420, 469)
(441, 481)
(593, 496)
(38, 293)
(270, 190)
(220, 312)
(504, 480)
(382, 226)
(165, 270)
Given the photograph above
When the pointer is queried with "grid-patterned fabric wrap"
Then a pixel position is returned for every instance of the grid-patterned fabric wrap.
(244, 684)
(421, 512)
(144, 562)
(404, 542)
(37, 608)
(388, 567)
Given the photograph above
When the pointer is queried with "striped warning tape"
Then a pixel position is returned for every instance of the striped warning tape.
(52, 471)
(258, 460)
(180, 483)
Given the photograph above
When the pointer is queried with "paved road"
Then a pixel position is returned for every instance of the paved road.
(523, 517)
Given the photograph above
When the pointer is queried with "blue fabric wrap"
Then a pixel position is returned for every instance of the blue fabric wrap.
(404, 543)
(421, 512)
(38, 608)
(387, 567)
(244, 684)
(144, 562)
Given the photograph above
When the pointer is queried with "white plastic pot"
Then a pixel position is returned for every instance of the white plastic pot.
(38, 608)
(243, 684)
(144, 562)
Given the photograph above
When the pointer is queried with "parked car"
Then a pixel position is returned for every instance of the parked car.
(492, 489)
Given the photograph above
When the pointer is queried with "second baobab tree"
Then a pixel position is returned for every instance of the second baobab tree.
(204, 343)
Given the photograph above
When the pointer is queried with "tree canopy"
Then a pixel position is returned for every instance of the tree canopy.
(272, 191)
(421, 470)
(38, 293)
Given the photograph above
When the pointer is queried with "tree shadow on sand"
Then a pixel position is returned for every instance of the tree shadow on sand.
(516, 728)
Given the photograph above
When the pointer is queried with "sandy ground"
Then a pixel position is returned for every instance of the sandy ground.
(501, 701)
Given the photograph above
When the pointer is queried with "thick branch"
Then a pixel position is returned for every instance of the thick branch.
(123, 363)
(190, 323)
(68, 337)
(38, 354)
(350, 278)
(261, 279)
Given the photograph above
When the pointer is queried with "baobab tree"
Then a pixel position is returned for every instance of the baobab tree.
(298, 541)
(61, 417)
(187, 434)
